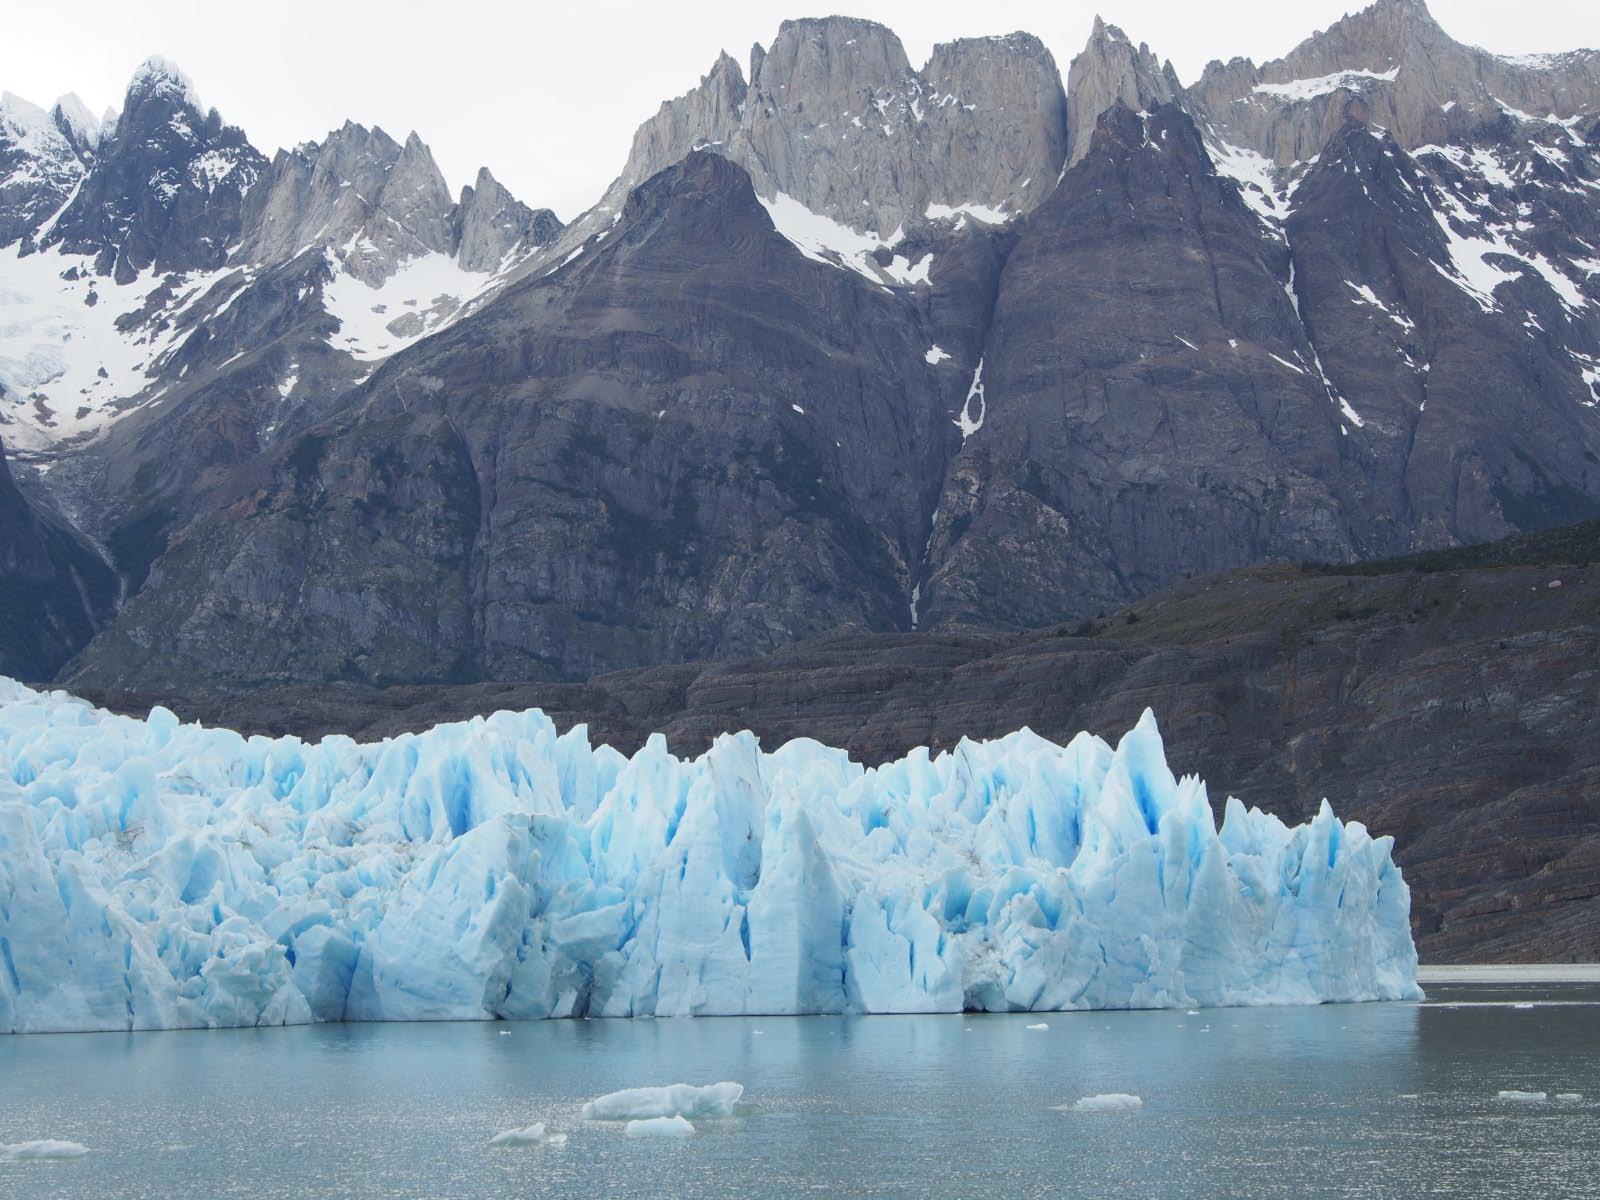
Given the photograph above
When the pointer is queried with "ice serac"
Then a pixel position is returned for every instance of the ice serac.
(154, 874)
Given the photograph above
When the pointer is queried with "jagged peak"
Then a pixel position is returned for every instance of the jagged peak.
(159, 75)
(73, 118)
(21, 114)
(726, 64)
(1110, 69)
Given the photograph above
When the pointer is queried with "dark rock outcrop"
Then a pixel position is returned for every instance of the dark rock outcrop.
(168, 186)
(57, 591)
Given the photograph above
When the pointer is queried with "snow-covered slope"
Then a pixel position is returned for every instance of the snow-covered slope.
(112, 236)
(154, 874)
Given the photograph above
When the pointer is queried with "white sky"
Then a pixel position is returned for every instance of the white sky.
(548, 95)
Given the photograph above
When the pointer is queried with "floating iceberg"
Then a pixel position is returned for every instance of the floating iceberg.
(1106, 1102)
(675, 1100)
(48, 1150)
(659, 1127)
(530, 1135)
(155, 875)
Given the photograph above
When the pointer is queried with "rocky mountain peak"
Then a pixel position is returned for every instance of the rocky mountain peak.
(39, 167)
(1111, 70)
(168, 183)
(832, 62)
(160, 76)
(834, 116)
(77, 124)
(376, 200)
(489, 223)
(1410, 75)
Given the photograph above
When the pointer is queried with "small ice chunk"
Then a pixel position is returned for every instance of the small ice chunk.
(1569, 1096)
(935, 356)
(1040, 1025)
(1410, 1096)
(45, 1150)
(1106, 1102)
(677, 1100)
(505, 1033)
(531, 1135)
(660, 1127)
(1523, 1097)
(1522, 1004)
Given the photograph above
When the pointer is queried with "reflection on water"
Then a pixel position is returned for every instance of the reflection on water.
(1382, 1100)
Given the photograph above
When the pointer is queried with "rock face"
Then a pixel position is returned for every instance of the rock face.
(57, 591)
(1139, 422)
(834, 116)
(701, 402)
(489, 223)
(1410, 77)
(39, 167)
(167, 189)
(844, 348)
(1111, 72)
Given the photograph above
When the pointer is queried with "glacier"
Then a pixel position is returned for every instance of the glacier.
(155, 874)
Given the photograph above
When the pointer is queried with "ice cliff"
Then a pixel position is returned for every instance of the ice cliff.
(155, 874)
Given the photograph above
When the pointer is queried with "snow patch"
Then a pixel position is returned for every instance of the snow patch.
(965, 421)
(1322, 85)
(985, 213)
(825, 240)
(427, 292)
(1257, 179)
(65, 366)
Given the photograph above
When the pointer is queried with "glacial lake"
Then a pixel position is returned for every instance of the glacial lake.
(1376, 1100)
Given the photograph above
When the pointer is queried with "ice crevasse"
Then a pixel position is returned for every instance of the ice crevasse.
(155, 874)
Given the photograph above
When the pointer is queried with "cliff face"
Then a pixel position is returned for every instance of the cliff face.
(850, 345)
(58, 591)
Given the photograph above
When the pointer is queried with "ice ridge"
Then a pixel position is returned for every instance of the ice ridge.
(155, 874)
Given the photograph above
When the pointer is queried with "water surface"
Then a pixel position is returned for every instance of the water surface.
(1376, 1100)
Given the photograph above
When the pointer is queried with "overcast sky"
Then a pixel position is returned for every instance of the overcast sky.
(548, 95)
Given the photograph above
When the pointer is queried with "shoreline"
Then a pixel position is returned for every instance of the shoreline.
(1510, 973)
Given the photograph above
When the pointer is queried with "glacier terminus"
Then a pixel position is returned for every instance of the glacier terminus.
(155, 874)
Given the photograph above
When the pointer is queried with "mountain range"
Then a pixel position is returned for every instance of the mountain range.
(848, 347)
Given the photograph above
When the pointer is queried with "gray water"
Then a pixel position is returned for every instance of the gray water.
(1379, 1100)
